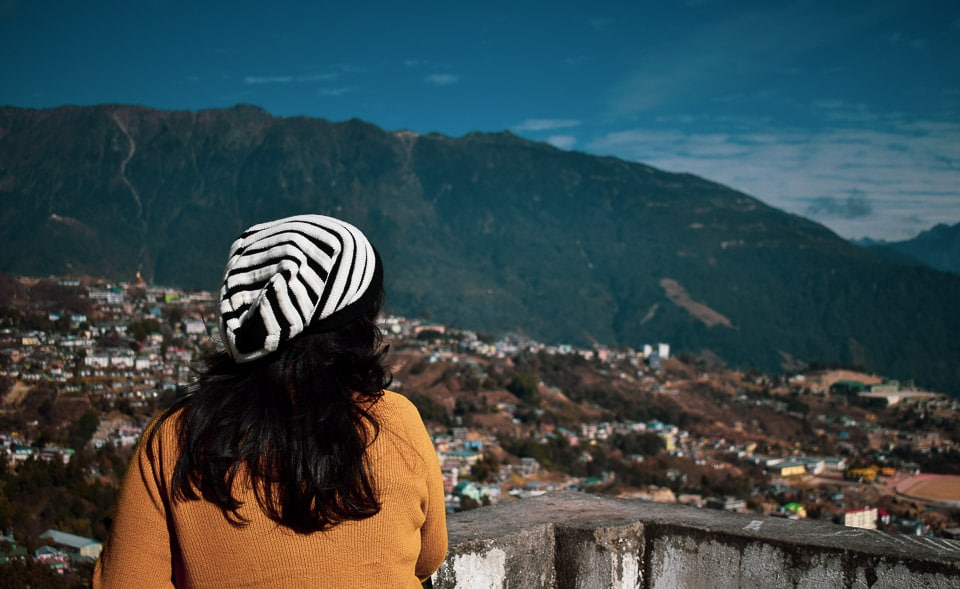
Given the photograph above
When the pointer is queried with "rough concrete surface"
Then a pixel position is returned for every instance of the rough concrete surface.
(576, 540)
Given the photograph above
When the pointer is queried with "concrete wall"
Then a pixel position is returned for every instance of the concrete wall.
(575, 540)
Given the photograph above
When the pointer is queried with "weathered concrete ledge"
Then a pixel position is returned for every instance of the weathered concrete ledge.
(567, 540)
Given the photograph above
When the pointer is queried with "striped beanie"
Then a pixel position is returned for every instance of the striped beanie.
(290, 274)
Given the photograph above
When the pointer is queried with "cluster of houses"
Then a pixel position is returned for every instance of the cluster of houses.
(76, 360)
(798, 465)
(16, 450)
(60, 550)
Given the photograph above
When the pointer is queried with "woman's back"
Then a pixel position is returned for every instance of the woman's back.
(406, 540)
(286, 464)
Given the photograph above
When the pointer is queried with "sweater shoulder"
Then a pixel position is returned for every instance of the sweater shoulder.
(396, 406)
(398, 417)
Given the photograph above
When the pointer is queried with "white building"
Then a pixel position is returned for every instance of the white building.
(863, 517)
(85, 547)
(98, 360)
(194, 327)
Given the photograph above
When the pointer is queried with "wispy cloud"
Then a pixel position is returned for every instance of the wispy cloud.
(442, 79)
(302, 79)
(256, 80)
(836, 110)
(562, 141)
(326, 77)
(352, 68)
(546, 124)
(883, 182)
(853, 207)
(340, 91)
(576, 61)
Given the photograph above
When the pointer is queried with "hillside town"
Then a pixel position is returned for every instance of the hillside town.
(86, 363)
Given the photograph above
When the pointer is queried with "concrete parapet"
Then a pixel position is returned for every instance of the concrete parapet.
(576, 540)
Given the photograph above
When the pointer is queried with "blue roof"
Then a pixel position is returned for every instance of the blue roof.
(65, 539)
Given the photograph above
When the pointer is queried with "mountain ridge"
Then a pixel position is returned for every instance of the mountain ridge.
(937, 247)
(488, 231)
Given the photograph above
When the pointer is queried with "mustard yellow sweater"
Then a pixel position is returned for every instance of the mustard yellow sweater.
(157, 542)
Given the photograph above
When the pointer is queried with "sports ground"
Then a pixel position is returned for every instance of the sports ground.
(932, 487)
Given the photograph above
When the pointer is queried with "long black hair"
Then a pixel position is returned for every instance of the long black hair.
(294, 425)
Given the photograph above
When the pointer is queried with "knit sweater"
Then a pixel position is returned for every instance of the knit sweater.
(156, 541)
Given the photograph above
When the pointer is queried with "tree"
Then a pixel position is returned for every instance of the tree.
(485, 469)
(6, 509)
(525, 387)
(139, 330)
(62, 324)
(35, 575)
(174, 316)
(468, 503)
(428, 335)
(84, 428)
(646, 444)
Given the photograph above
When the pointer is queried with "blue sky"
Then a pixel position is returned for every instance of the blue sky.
(846, 112)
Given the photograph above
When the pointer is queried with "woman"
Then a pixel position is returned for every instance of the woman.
(287, 464)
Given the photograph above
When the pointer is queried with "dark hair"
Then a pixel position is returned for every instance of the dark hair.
(295, 425)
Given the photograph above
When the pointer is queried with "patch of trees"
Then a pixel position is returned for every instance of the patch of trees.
(485, 469)
(467, 503)
(429, 409)
(139, 330)
(50, 295)
(429, 335)
(936, 461)
(37, 575)
(645, 443)
(554, 453)
(525, 387)
(60, 419)
(38, 495)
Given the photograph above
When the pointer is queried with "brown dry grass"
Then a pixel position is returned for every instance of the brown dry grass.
(938, 488)
(681, 298)
(17, 394)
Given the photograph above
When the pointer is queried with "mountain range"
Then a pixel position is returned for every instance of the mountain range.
(489, 232)
(937, 247)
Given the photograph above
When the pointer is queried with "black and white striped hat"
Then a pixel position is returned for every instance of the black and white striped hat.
(286, 275)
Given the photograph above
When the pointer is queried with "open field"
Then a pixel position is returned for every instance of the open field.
(932, 486)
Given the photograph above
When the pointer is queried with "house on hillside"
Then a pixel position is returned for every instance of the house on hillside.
(194, 327)
(835, 464)
(790, 467)
(52, 453)
(861, 517)
(792, 510)
(56, 559)
(10, 551)
(82, 547)
(815, 465)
